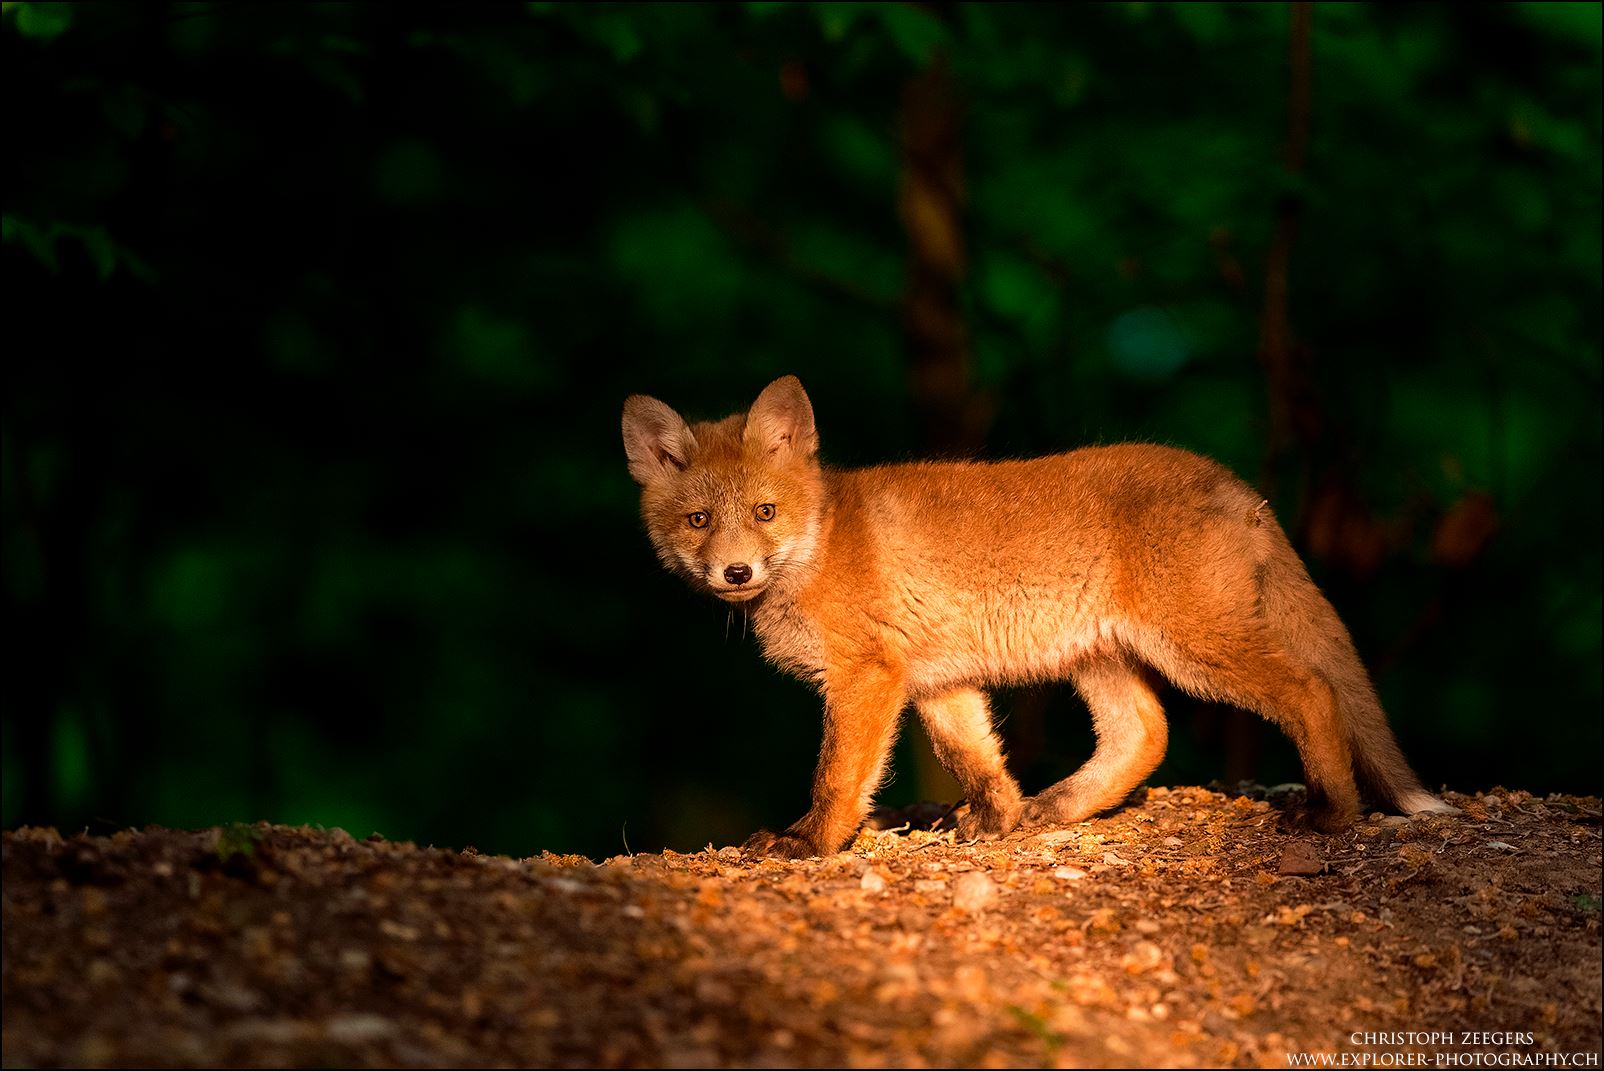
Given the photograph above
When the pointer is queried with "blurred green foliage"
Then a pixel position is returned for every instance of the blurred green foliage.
(319, 319)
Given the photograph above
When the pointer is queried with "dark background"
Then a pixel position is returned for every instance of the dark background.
(319, 320)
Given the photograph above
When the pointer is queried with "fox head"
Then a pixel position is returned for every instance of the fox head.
(733, 505)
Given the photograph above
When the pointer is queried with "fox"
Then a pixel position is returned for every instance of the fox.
(925, 583)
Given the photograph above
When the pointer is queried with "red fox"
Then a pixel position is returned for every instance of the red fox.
(923, 583)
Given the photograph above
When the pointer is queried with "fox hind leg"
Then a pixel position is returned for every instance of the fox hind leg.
(1257, 673)
(1305, 705)
(961, 734)
(1131, 737)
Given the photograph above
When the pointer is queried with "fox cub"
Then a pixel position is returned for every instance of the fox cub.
(923, 583)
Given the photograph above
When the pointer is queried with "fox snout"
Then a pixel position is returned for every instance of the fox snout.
(741, 580)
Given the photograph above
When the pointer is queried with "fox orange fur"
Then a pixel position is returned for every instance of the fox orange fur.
(923, 583)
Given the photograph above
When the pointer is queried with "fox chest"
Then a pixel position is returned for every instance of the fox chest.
(790, 641)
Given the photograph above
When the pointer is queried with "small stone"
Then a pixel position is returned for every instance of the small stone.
(973, 891)
(1301, 859)
(1056, 837)
(872, 881)
(267, 1031)
(359, 1028)
(1069, 873)
(400, 931)
(103, 973)
(1144, 956)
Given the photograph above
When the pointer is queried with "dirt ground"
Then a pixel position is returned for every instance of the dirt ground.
(1190, 929)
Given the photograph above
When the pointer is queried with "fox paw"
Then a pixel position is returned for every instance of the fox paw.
(979, 822)
(1040, 812)
(1065, 805)
(778, 846)
(1321, 818)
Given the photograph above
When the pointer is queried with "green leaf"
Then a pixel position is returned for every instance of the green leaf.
(192, 591)
(1532, 125)
(70, 754)
(862, 151)
(1147, 344)
(828, 249)
(914, 30)
(1205, 22)
(680, 265)
(496, 349)
(101, 249)
(1570, 20)
(837, 20)
(43, 22)
(619, 35)
(37, 240)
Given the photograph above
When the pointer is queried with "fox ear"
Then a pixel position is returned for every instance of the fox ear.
(782, 420)
(657, 440)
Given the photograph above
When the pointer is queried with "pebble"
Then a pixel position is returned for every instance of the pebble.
(1301, 859)
(1144, 956)
(359, 1028)
(973, 891)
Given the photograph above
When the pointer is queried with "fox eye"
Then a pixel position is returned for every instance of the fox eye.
(698, 519)
(765, 512)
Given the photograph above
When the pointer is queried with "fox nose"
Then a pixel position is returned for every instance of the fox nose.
(738, 574)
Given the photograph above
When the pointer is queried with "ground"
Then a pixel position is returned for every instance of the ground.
(1189, 929)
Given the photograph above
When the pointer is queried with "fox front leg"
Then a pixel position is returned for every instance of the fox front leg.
(861, 708)
(958, 723)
